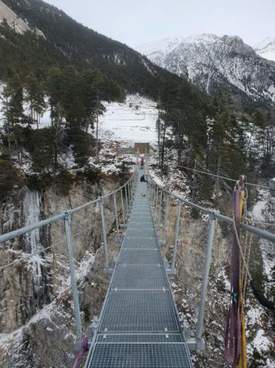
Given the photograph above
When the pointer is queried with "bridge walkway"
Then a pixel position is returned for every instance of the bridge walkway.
(139, 325)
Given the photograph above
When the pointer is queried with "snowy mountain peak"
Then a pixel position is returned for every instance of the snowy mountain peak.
(266, 48)
(170, 43)
(217, 62)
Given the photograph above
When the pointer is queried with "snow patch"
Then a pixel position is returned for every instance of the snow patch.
(260, 206)
(261, 342)
(266, 48)
(132, 121)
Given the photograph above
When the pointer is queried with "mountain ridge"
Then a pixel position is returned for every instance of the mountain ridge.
(217, 62)
(74, 43)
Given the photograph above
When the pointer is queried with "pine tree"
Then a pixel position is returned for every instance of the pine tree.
(35, 97)
(12, 111)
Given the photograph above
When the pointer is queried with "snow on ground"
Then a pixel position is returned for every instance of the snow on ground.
(45, 119)
(254, 315)
(260, 206)
(261, 342)
(133, 121)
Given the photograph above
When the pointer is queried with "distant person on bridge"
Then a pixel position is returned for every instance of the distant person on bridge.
(143, 179)
(141, 161)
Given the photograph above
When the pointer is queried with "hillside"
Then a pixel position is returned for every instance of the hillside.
(70, 42)
(56, 66)
(217, 63)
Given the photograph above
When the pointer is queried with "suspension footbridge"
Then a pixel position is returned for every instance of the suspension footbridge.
(139, 325)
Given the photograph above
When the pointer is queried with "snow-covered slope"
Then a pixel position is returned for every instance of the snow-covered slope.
(213, 62)
(130, 122)
(266, 48)
(12, 19)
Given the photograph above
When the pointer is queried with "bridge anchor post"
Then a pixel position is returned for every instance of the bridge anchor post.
(205, 281)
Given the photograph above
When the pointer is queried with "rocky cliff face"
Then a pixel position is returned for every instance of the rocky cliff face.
(12, 19)
(36, 323)
(214, 63)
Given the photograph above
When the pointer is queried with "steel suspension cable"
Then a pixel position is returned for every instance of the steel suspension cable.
(222, 177)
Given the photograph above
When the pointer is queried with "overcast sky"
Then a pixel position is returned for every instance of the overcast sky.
(135, 22)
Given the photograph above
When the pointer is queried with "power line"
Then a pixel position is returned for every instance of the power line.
(223, 177)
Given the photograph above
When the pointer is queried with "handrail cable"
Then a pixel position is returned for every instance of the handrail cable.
(61, 216)
(257, 231)
(222, 177)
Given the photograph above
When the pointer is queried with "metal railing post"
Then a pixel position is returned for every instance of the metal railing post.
(155, 204)
(153, 195)
(116, 213)
(70, 246)
(166, 221)
(126, 203)
(122, 206)
(205, 280)
(156, 197)
(131, 190)
(159, 211)
(150, 192)
(176, 237)
(104, 234)
(127, 198)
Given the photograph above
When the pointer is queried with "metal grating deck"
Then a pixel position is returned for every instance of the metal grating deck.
(144, 232)
(140, 243)
(139, 324)
(140, 256)
(146, 355)
(139, 277)
(139, 311)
